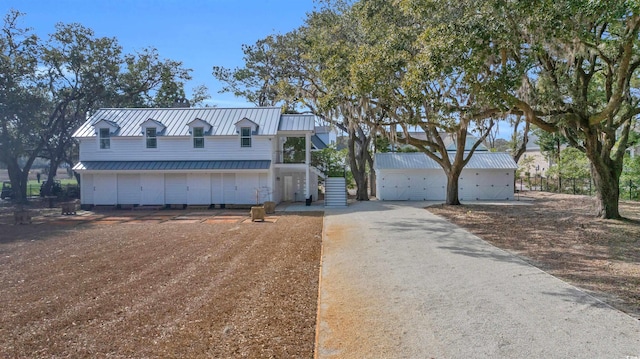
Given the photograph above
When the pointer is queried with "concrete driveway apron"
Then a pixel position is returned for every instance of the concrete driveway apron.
(399, 282)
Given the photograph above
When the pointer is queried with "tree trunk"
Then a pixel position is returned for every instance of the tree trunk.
(53, 170)
(452, 189)
(19, 180)
(372, 175)
(607, 185)
(357, 162)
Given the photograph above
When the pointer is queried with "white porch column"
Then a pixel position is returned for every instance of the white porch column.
(307, 161)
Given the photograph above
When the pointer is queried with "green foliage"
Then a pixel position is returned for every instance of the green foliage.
(550, 143)
(630, 178)
(330, 161)
(573, 164)
(294, 150)
(524, 166)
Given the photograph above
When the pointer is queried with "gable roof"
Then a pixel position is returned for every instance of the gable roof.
(419, 160)
(176, 120)
(448, 139)
(297, 122)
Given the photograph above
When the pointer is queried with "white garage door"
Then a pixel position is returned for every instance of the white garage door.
(216, 188)
(128, 189)
(198, 188)
(248, 186)
(436, 185)
(175, 188)
(105, 189)
(86, 189)
(486, 185)
(394, 187)
(412, 185)
(152, 186)
(229, 188)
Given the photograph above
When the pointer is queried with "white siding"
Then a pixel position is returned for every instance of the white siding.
(265, 188)
(176, 149)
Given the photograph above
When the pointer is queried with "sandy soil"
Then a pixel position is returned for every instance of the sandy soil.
(559, 233)
(172, 286)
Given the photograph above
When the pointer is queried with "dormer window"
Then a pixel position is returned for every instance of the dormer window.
(198, 137)
(105, 129)
(198, 129)
(152, 137)
(105, 139)
(151, 129)
(245, 136)
(246, 128)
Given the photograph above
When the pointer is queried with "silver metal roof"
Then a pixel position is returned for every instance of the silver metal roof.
(418, 160)
(222, 120)
(318, 142)
(297, 122)
(171, 165)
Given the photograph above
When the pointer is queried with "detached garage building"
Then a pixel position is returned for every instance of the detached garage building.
(416, 177)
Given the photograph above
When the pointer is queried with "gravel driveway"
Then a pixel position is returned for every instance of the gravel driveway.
(399, 282)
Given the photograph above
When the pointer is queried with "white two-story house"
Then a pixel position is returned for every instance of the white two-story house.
(196, 156)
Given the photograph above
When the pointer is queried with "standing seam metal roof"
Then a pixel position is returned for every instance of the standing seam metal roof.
(222, 120)
(417, 160)
(171, 165)
(298, 122)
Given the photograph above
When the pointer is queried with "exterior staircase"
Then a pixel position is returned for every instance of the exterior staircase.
(335, 192)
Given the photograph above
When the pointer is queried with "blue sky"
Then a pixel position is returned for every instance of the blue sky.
(199, 33)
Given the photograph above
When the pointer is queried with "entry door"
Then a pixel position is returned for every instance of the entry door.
(288, 188)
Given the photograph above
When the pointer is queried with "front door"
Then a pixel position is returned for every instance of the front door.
(288, 188)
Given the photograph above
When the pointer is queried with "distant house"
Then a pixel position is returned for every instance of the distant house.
(448, 140)
(416, 177)
(188, 156)
(541, 162)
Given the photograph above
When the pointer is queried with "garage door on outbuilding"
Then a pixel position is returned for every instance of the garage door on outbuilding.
(416, 177)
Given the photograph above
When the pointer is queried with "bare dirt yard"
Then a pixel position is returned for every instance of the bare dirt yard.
(560, 234)
(161, 285)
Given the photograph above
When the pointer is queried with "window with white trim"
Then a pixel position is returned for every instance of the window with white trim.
(152, 137)
(105, 139)
(245, 136)
(198, 137)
